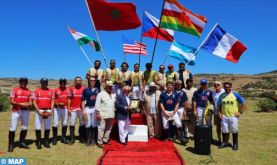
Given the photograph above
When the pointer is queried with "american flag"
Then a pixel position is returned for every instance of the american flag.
(132, 47)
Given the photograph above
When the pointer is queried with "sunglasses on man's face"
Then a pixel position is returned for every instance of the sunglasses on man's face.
(216, 85)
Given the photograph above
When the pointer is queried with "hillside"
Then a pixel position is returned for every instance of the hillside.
(249, 85)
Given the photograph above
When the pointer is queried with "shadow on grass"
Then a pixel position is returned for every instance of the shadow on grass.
(191, 150)
(260, 111)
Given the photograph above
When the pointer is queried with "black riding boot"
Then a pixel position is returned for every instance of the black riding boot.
(235, 141)
(170, 131)
(55, 135)
(22, 138)
(184, 132)
(82, 134)
(88, 133)
(225, 137)
(38, 136)
(64, 140)
(46, 138)
(92, 136)
(180, 134)
(11, 141)
(72, 135)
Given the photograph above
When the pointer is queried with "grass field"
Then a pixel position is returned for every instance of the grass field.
(257, 145)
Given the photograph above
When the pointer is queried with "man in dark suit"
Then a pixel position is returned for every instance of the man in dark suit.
(123, 112)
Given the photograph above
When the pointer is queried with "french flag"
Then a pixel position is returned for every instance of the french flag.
(150, 28)
(223, 44)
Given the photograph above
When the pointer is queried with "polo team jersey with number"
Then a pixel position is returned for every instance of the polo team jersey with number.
(161, 78)
(170, 76)
(111, 75)
(189, 93)
(43, 98)
(89, 95)
(76, 98)
(20, 95)
(61, 96)
(182, 98)
(202, 97)
(96, 73)
(136, 78)
(125, 77)
(149, 77)
(229, 103)
(169, 101)
(183, 76)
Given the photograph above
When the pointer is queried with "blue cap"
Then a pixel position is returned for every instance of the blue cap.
(204, 81)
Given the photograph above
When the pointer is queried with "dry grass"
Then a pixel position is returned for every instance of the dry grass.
(257, 145)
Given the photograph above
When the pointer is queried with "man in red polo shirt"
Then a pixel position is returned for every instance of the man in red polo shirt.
(20, 98)
(75, 104)
(43, 99)
(60, 110)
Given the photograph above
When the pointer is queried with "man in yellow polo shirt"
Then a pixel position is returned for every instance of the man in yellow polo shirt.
(230, 105)
(148, 76)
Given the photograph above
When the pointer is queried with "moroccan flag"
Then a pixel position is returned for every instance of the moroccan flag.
(113, 16)
(177, 17)
(150, 28)
(83, 39)
(224, 45)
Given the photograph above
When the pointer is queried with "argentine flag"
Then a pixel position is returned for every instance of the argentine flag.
(182, 52)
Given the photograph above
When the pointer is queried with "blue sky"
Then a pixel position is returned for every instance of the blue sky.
(35, 41)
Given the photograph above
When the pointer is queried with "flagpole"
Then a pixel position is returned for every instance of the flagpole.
(157, 35)
(205, 39)
(165, 59)
(124, 57)
(141, 37)
(86, 55)
(101, 47)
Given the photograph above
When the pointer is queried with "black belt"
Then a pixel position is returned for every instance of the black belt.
(59, 106)
(23, 108)
(44, 109)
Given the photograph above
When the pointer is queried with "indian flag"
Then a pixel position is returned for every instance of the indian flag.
(177, 17)
(83, 39)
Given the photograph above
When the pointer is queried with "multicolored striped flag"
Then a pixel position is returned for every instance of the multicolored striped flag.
(177, 17)
(132, 47)
(83, 39)
(182, 52)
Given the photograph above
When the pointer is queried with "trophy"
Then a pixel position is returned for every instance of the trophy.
(134, 105)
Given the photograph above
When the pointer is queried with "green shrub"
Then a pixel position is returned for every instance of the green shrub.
(4, 102)
(269, 94)
(266, 105)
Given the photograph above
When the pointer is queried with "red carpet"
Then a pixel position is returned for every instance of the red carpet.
(154, 152)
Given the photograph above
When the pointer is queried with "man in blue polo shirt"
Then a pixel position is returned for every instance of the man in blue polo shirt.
(201, 98)
(169, 106)
(182, 99)
(88, 108)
